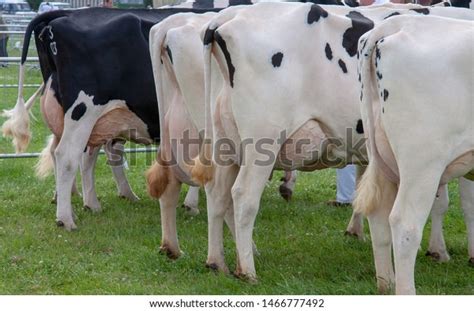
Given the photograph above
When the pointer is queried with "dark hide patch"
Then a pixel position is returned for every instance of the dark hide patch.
(360, 25)
(239, 2)
(360, 127)
(461, 3)
(379, 75)
(221, 42)
(276, 59)
(422, 11)
(342, 65)
(391, 15)
(328, 51)
(351, 3)
(168, 50)
(385, 94)
(78, 111)
(208, 36)
(364, 44)
(315, 13)
(124, 58)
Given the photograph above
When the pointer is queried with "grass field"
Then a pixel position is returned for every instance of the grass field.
(301, 243)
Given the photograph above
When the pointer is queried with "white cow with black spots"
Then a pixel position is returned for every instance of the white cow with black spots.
(420, 83)
(257, 49)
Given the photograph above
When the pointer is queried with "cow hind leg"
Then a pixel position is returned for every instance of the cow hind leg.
(47, 162)
(375, 197)
(89, 159)
(116, 161)
(78, 124)
(230, 221)
(355, 227)
(409, 215)
(219, 203)
(191, 201)
(246, 194)
(466, 188)
(437, 247)
(168, 204)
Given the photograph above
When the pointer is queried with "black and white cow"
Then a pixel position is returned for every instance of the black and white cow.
(202, 4)
(96, 67)
(283, 69)
(468, 4)
(413, 82)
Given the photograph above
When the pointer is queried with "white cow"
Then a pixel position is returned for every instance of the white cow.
(259, 51)
(418, 83)
(178, 69)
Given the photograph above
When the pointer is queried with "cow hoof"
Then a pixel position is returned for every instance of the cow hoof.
(171, 254)
(212, 266)
(439, 257)
(68, 226)
(471, 262)
(217, 268)
(245, 277)
(285, 193)
(92, 209)
(191, 211)
(384, 288)
(130, 197)
(355, 234)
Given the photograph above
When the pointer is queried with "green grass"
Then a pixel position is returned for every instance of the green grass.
(303, 249)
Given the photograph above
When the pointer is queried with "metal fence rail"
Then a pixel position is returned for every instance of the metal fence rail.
(15, 86)
(37, 154)
(12, 32)
(13, 25)
(17, 59)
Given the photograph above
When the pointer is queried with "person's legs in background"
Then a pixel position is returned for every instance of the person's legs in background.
(3, 49)
(346, 183)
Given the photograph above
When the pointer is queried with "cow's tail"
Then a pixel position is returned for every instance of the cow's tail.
(18, 124)
(203, 171)
(374, 182)
(158, 174)
(45, 165)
